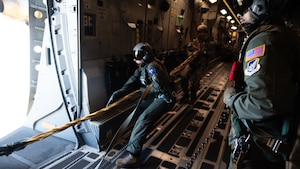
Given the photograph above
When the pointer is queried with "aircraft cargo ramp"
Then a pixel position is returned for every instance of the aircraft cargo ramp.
(192, 135)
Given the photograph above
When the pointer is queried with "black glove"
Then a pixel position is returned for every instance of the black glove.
(230, 91)
(110, 101)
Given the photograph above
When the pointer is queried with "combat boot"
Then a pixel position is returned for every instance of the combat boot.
(128, 162)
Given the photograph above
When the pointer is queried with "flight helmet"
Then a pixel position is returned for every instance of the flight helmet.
(258, 8)
(143, 51)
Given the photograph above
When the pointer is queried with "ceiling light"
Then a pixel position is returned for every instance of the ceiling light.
(160, 28)
(223, 11)
(140, 3)
(234, 28)
(131, 25)
(229, 17)
(213, 1)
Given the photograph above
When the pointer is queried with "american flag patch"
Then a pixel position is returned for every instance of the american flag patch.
(255, 52)
(152, 70)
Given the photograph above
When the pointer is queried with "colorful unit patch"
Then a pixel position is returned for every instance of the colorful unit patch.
(255, 52)
(252, 67)
(152, 71)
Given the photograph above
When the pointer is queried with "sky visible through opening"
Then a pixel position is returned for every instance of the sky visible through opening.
(14, 73)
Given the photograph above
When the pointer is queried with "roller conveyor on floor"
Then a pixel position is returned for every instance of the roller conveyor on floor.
(191, 135)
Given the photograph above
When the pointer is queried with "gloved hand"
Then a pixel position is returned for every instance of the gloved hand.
(111, 100)
(230, 91)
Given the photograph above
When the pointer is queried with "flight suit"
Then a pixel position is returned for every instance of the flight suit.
(159, 100)
(194, 71)
(271, 69)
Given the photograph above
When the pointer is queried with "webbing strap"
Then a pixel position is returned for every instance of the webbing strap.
(277, 145)
(127, 121)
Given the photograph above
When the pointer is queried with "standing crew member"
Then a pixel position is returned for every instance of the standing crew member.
(265, 103)
(194, 70)
(159, 100)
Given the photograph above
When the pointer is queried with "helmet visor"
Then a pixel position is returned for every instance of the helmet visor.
(137, 55)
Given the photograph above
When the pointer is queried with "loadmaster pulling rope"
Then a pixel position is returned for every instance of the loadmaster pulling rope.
(9, 148)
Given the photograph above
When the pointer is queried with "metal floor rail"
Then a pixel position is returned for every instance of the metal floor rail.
(190, 136)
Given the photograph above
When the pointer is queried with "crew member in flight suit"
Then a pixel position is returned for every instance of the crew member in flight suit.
(159, 100)
(194, 70)
(265, 102)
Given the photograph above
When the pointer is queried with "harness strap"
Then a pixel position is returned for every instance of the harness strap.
(125, 123)
(276, 144)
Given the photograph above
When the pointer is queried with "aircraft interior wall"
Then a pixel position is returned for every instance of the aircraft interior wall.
(111, 29)
(91, 56)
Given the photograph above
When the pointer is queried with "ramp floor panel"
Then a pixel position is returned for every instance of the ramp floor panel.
(192, 136)
(34, 154)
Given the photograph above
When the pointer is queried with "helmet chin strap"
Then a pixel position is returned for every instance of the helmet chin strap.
(249, 27)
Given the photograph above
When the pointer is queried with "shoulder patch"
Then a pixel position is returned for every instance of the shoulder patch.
(152, 71)
(252, 67)
(255, 52)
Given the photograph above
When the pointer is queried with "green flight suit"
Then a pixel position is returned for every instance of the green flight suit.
(194, 71)
(271, 69)
(159, 100)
